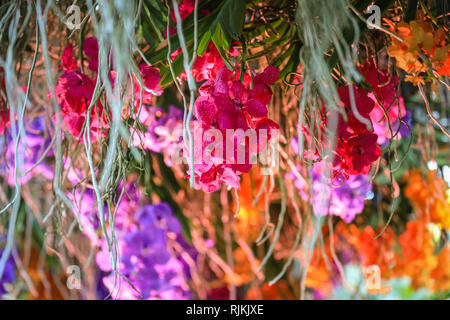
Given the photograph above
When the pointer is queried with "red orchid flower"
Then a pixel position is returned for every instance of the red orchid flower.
(358, 153)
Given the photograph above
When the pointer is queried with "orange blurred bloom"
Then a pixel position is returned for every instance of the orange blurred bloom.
(419, 37)
(277, 291)
(250, 220)
(429, 196)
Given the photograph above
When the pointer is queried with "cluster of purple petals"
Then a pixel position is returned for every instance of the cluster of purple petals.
(163, 130)
(9, 273)
(146, 257)
(399, 129)
(339, 197)
(32, 145)
(345, 200)
(144, 235)
(84, 206)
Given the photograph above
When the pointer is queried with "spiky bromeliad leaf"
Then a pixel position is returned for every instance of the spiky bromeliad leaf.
(231, 17)
(221, 26)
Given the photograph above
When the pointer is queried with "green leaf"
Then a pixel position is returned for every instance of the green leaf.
(252, 33)
(160, 54)
(203, 43)
(167, 173)
(411, 10)
(274, 46)
(285, 32)
(218, 42)
(231, 17)
(293, 61)
(166, 75)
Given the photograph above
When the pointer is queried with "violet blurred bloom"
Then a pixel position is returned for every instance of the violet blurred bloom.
(381, 125)
(146, 260)
(343, 198)
(32, 145)
(163, 131)
(404, 130)
(9, 273)
(85, 210)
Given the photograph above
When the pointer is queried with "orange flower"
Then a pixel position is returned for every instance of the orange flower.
(319, 275)
(419, 37)
(243, 272)
(441, 273)
(415, 80)
(351, 243)
(277, 291)
(441, 60)
(417, 260)
(250, 220)
(378, 252)
(43, 280)
(429, 197)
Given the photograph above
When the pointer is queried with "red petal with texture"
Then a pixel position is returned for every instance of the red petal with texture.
(238, 92)
(223, 74)
(68, 62)
(256, 108)
(269, 76)
(150, 75)
(262, 93)
(205, 110)
(221, 87)
(223, 102)
(206, 88)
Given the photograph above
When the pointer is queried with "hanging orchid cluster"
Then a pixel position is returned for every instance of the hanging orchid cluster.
(368, 119)
(228, 106)
(75, 92)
